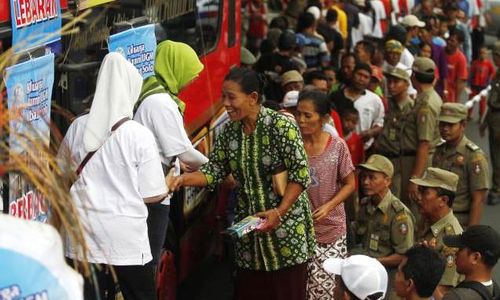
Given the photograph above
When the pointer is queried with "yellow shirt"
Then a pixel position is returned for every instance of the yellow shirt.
(342, 21)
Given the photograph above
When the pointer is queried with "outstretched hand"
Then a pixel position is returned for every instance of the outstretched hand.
(272, 220)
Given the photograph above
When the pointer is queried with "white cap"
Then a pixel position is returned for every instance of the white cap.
(412, 21)
(314, 10)
(362, 275)
(290, 99)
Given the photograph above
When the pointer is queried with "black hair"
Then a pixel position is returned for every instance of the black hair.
(314, 75)
(423, 44)
(249, 80)
(331, 15)
(458, 33)
(316, 3)
(267, 46)
(280, 22)
(451, 195)
(426, 78)
(319, 99)
(271, 104)
(425, 267)
(368, 47)
(287, 41)
(347, 55)
(362, 66)
(398, 33)
(347, 108)
(305, 21)
(443, 18)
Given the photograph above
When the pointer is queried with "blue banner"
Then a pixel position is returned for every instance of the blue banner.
(34, 23)
(29, 92)
(138, 46)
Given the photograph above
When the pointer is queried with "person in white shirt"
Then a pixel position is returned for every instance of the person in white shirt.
(121, 176)
(160, 110)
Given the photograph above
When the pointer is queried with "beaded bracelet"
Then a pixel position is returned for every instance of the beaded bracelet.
(278, 213)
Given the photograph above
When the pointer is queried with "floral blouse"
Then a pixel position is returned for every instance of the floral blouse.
(251, 159)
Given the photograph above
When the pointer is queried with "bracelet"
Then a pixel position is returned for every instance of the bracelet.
(278, 213)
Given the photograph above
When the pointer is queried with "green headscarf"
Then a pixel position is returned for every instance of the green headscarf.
(176, 64)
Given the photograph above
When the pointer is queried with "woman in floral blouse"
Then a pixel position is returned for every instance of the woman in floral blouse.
(272, 262)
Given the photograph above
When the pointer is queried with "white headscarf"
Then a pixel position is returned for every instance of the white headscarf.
(118, 88)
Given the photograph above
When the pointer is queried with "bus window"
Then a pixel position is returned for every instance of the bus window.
(198, 27)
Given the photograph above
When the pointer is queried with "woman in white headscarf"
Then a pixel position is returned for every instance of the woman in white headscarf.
(114, 185)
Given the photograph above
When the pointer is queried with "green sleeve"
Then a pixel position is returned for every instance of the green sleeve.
(426, 123)
(478, 172)
(217, 168)
(402, 232)
(291, 150)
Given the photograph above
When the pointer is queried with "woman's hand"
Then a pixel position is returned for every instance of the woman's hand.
(272, 220)
(322, 212)
(174, 183)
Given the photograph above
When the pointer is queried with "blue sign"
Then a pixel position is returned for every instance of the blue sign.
(29, 91)
(34, 23)
(138, 46)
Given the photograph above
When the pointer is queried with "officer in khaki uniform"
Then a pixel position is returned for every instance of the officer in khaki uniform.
(425, 135)
(492, 122)
(437, 191)
(385, 226)
(464, 158)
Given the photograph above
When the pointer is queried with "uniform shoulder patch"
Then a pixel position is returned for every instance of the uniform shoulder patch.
(472, 146)
(448, 230)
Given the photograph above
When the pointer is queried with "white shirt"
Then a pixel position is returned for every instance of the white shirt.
(379, 9)
(371, 113)
(407, 58)
(364, 29)
(160, 114)
(110, 190)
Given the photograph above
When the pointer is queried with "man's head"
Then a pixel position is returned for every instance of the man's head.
(364, 51)
(361, 76)
(350, 118)
(317, 79)
(455, 39)
(287, 41)
(479, 249)
(412, 25)
(452, 122)
(359, 277)
(437, 192)
(331, 16)
(419, 273)
(347, 66)
(376, 175)
(393, 50)
(292, 81)
(424, 70)
(398, 81)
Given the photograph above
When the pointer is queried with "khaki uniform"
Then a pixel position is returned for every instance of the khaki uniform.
(385, 229)
(493, 121)
(405, 126)
(448, 225)
(469, 162)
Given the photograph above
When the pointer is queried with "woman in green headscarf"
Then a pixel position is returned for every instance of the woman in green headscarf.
(160, 109)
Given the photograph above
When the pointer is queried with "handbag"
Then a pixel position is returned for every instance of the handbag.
(280, 180)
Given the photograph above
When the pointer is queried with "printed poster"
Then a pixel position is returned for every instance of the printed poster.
(34, 23)
(138, 46)
(29, 92)
(84, 4)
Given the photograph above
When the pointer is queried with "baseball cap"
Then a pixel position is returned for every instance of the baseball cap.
(360, 3)
(453, 113)
(247, 58)
(397, 72)
(314, 10)
(362, 275)
(438, 178)
(480, 238)
(424, 65)
(379, 163)
(291, 76)
(412, 21)
(394, 46)
(496, 48)
(290, 99)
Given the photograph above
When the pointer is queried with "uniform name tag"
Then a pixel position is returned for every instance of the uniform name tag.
(374, 242)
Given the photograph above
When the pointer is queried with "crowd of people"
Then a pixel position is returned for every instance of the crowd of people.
(345, 135)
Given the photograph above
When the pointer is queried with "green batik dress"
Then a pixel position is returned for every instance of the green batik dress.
(251, 159)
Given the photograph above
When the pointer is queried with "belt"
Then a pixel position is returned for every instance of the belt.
(402, 153)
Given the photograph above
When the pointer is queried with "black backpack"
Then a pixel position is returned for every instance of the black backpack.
(481, 289)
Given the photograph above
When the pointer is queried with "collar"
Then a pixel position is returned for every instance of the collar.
(383, 206)
(404, 104)
(461, 148)
(439, 225)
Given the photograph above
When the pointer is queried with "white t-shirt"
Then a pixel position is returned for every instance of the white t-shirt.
(364, 29)
(110, 190)
(407, 58)
(160, 114)
(371, 113)
(379, 9)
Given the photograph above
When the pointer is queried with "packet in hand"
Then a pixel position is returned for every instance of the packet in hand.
(244, 226)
